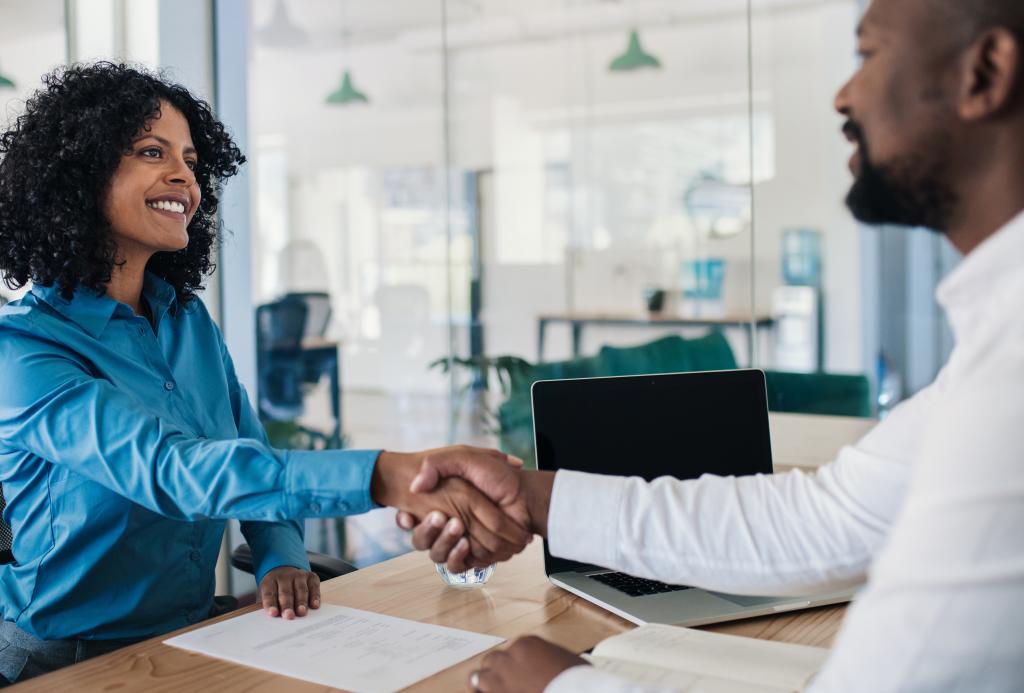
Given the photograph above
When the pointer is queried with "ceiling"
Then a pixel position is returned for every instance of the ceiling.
(471, 23)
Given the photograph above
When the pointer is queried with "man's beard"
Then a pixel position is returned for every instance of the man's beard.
(909, 192)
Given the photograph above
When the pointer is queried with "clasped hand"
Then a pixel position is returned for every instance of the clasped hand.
(521, 497)
(471, 497)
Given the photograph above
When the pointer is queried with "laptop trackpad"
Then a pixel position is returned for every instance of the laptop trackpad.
(748, 601)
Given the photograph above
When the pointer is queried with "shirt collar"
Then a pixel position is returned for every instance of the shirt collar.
(92, 311)
(974, 288)
(161, 296)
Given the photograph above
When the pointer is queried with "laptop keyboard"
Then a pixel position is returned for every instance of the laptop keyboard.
(634, 586)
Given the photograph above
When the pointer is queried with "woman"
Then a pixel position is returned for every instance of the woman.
(125, 437)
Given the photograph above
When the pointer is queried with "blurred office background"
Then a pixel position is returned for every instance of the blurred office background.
(432, 184)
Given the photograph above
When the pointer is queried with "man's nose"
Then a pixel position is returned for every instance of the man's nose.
(842, 99)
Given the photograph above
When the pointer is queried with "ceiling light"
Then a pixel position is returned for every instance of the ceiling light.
(635, 57)
(280, 30)
(346, 93)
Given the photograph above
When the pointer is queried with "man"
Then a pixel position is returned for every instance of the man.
(930, 504)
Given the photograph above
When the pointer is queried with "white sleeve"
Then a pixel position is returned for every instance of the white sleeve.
(587, 678)
(793, 533)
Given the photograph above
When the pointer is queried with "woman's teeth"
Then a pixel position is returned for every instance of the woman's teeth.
(167, 206)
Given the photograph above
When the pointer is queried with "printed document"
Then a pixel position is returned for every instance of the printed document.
(336, 646)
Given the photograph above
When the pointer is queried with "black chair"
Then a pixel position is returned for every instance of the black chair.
(6, 537)
(318, 311)
(326, 567)
(280, 327)
(286, 367)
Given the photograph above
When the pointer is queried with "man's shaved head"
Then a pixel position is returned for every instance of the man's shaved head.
(985, 14)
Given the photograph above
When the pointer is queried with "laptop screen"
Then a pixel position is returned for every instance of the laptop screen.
(679, 424)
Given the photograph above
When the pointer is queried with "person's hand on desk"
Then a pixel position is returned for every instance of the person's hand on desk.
(289, 592)
(488, 533)
(523, 495)
(527, 666)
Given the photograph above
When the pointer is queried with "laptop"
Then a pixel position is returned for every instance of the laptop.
(678, 424)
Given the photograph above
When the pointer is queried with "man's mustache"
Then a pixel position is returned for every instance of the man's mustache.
(853, 132)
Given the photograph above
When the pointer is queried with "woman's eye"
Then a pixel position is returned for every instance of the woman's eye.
(151, 152)
(191, 164)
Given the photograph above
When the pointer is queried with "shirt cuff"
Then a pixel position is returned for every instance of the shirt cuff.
(275, 544)
(583, 518)
(588, 678)
(329, 483)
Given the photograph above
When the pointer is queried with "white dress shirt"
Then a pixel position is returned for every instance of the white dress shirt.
(928, 506)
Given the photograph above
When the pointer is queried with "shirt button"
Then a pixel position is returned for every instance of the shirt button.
(142, 331)
(168, 386)
(190, 617)
(314, 507)
(194, 555)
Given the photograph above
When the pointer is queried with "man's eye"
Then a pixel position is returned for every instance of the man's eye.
(191, 164)
(151, 152)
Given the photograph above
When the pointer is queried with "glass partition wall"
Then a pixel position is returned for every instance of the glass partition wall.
(447, 199)
(462, 181)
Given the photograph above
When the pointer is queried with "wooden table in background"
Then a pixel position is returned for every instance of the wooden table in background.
(518, 600)
(577, 321)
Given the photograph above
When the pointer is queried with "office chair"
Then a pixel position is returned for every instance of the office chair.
(6, 537)
(318, 311)
(280, 327)
(326, 567)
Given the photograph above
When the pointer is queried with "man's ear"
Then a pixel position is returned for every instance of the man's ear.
(990, 74)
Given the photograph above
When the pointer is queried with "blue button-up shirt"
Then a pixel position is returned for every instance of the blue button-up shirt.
(122, 452)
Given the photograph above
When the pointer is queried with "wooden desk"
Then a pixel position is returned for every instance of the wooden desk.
(517, 601)
(577, 321)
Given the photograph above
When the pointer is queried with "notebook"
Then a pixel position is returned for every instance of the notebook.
(696, 661)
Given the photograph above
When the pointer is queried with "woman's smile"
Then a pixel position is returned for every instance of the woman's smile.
(171, 205)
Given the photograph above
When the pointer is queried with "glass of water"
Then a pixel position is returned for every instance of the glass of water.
(474, 577)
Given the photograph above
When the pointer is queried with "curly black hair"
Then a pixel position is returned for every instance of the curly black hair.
(57, 162)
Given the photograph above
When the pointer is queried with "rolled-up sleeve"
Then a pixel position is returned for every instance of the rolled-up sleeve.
(61, 412)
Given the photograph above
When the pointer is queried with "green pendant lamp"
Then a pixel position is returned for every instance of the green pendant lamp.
(5, 83)
(346, 93)
(635, 56)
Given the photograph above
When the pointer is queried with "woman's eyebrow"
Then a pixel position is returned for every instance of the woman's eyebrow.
(188, 150)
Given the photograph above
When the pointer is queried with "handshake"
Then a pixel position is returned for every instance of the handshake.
(469, 507)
